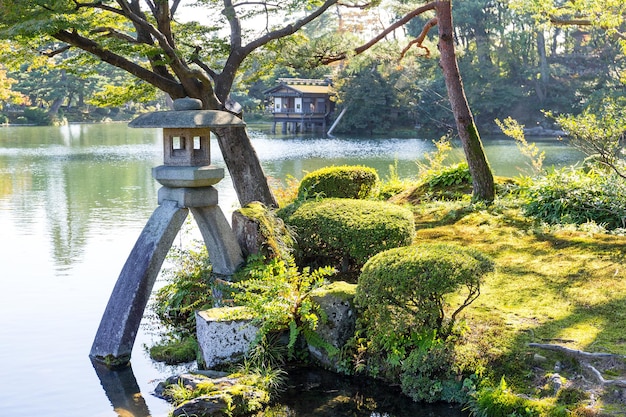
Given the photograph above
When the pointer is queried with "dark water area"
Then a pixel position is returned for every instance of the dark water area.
(318, 393)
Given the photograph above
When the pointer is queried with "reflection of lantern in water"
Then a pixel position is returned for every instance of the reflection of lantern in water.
(187, 177)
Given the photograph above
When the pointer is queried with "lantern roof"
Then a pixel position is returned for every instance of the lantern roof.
(186, 114)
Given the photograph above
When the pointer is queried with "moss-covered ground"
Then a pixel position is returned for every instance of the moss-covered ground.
(553, 285)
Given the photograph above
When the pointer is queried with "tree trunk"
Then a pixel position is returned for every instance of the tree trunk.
(544, 70)
(482, 177)
(245, 169)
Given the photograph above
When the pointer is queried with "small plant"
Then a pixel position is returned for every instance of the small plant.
(188, 288)
(502, 402)
(513, 129)
(284, 193)
(577, 196)
(393, 184)
(600, 133)
(339, 182)
(446, 177)
(435, 160)
(345, 233)
(279, 296)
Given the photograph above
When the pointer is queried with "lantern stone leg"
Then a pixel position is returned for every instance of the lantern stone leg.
(187, 177)
(119, 325)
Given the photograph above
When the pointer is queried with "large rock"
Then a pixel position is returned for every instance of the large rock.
(336, 300)
(224, 335)
(215, 394)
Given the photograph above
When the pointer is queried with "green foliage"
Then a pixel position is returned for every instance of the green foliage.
(457, 174)
(435, 160)
(403, 291)
(118, 95)
(370, 110)
(577, 196)
(513, 129)
(392, 184)
(37, 116)
(175, 350)
(188, 288)
(599, 133)
(429, 374)
(347, 232)
(279, 296)
(502, 402)
(339, 182)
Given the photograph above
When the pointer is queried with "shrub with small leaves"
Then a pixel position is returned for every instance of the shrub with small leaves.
(336, 231)
(340, 182)
(402, 290)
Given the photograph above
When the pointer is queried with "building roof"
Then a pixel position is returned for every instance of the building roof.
(300, 86)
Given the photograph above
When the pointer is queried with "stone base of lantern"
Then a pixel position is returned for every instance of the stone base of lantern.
(189, 197)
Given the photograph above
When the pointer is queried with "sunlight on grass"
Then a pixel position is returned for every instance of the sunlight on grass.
(583, 333)
(549, 285)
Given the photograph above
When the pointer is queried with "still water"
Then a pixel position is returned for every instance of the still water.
(73, 200)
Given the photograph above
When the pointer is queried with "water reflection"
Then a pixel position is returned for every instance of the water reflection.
(317, 393)
(122, 390)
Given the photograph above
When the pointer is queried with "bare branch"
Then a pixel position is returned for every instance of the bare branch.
(163, 83)
(570, 22)
(50, 54)
(399, 23)
(196, 60)
(420, 39)
(112, 33)
(174, 7)
(256, 3)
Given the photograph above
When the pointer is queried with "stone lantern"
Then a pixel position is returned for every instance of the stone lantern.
(187, 177)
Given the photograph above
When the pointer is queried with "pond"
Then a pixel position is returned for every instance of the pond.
(73, 200)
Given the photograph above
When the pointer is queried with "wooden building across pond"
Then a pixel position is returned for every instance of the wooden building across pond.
(301, 104)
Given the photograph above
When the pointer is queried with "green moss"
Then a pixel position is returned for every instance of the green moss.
(278, 240)
(228, 313)
(173, 352)
(340, 289)
(114, 362)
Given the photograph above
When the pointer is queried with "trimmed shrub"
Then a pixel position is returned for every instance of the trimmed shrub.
(339, 182)
(402, 290)
(402, 295)
(336, 231)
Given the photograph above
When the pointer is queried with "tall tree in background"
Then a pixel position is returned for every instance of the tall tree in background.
(482, 176)
(144, 39)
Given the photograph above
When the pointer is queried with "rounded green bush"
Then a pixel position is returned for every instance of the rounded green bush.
(339, 182)
(337, 231)
(402, 290)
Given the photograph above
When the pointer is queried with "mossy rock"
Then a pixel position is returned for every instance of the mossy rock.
(339, 182)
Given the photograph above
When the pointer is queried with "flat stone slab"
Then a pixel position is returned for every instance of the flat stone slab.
(224, 335)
